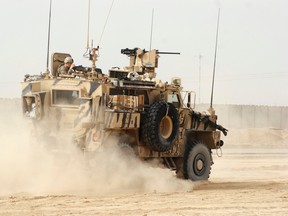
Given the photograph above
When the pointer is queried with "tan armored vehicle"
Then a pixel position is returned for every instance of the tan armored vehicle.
(155, 119)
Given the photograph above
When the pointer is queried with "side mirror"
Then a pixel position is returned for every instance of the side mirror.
(189, 100)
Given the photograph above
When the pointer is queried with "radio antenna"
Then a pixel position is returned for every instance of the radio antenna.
(88, 25)
(151, 32)
(86, 54)
(48, 44)
(106, 22)
(214, 67)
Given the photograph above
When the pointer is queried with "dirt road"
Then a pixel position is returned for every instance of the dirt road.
(250, 179)
(240, 184)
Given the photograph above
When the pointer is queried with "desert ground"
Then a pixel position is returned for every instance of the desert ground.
(251, 177)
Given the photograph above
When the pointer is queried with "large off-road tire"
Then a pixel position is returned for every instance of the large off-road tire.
(197, 161)
(160, 126)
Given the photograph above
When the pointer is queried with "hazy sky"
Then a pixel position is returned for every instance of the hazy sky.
(252, 58)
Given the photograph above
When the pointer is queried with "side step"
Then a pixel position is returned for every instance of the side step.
(169, 162)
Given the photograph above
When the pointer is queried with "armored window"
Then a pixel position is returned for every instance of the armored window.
(65, 97)
(174, 99)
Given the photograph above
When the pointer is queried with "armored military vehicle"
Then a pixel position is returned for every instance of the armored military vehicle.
(155, 119)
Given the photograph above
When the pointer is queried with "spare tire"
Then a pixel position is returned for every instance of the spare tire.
(160, 126)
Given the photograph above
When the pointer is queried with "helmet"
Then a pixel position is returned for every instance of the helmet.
(68, 59)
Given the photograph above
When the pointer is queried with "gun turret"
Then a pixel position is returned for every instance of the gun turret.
(142, 61)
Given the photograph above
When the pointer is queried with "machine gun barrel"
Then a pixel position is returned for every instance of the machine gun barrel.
(169, 53)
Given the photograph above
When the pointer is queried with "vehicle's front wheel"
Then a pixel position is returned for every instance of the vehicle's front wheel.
(197, 161)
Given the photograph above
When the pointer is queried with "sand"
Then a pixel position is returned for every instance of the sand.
(251, 178)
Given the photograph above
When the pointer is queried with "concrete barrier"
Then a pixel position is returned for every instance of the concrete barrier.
(249, 116)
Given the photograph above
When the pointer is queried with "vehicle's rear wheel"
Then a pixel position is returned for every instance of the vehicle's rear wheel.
(160, 127)
(197, 161)
(126, 150)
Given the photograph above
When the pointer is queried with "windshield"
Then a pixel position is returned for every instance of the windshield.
(174, 99)
(65, 97)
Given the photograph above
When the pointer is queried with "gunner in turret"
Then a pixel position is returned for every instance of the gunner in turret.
(67, 67)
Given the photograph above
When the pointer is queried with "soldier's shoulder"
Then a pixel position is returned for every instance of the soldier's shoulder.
(61, 68)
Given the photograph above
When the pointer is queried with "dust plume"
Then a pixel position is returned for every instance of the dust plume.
(28, 166)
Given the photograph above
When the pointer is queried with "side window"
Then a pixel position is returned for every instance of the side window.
(174, 99)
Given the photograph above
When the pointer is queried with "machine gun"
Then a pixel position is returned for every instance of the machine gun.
(198, 117)
(142, 61)
(86, 69)
(133, 52)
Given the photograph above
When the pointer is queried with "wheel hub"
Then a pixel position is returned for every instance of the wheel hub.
(199, 165)
(166, 127)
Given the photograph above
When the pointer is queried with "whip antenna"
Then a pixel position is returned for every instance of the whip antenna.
(48, 45)
(215, 54)
(106, 22)
(86, 54)
(88, 25)
(151, 32)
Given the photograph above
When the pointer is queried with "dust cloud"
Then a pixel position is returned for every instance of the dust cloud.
(28, 166)
(250, 179)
